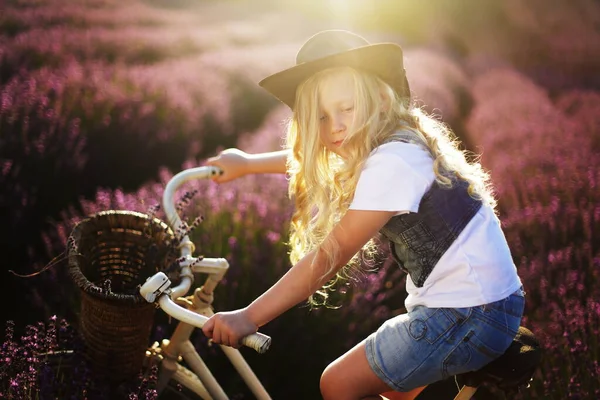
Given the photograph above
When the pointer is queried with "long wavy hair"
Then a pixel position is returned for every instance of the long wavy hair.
(322, 183)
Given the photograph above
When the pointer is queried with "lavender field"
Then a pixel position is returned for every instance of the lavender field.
(102, 102)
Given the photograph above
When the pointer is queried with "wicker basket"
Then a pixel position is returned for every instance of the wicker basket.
(110, 254)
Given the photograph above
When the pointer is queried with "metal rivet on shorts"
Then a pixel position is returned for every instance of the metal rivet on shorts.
(468, 337)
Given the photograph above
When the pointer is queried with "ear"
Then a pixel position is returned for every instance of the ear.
(385, 98)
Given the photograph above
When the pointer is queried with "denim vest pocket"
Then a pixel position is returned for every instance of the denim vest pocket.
(418, 238)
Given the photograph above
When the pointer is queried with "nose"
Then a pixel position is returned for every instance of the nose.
(337, 124)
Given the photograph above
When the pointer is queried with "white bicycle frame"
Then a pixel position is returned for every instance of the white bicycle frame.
(193, 313)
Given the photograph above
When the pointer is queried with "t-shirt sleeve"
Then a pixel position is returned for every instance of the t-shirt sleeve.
(389, 183)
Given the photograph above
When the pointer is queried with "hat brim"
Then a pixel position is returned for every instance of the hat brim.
(382, 59)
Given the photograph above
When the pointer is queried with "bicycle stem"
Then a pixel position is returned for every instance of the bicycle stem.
(187, 247)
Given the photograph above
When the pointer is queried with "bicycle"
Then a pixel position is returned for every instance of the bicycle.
(194, 311)
(511, 371)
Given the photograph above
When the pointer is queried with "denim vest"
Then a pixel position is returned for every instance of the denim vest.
(418, 240)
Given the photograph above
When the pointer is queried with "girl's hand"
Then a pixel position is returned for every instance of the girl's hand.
(233, 162)
(228, 328)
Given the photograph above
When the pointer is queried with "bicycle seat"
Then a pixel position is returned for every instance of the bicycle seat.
(514, 368)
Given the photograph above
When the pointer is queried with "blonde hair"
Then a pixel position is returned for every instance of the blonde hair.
(322, 184)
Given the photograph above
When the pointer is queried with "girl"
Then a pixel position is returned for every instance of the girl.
(363, 160)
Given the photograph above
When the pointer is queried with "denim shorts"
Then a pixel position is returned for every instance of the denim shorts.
(430, 344)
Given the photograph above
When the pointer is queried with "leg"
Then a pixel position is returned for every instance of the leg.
(350, 377)
(403, 395)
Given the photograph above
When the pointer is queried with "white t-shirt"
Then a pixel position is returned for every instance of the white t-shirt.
(476, 269)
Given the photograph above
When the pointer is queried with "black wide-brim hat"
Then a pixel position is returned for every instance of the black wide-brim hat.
(339, 48)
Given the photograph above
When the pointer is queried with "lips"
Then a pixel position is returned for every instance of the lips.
(338, 143)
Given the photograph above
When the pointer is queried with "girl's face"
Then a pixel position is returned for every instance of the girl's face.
(336, 111)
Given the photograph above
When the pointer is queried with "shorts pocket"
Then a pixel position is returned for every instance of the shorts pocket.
(471, 354)
(430, 324)
(488, 351)
(459, 359)
(461, 314)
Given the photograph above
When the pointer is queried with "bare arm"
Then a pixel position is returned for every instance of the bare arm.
(268, 163)
(302, 280)
(308, 275)
(236, 163)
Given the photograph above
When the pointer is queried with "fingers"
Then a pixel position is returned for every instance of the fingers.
(208, 327)
(214, 162)
(222, 330)
(216, 330)
(228, 340)
(225, 169)
(232, 162)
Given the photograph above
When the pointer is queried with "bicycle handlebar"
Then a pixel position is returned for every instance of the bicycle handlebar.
(179, 179)
(157, 285)
(257, 341)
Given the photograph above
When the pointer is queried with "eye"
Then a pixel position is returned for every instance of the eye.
(348, 109)
(323, 118)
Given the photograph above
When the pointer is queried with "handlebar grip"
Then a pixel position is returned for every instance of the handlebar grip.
(257, 341)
